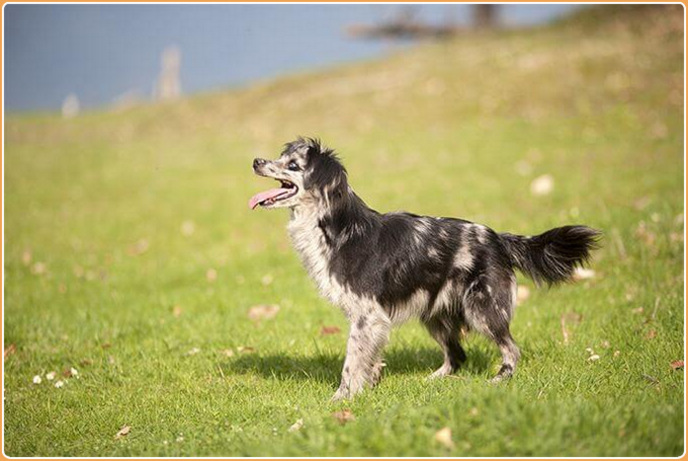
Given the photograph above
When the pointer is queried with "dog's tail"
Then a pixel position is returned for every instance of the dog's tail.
(553, 256)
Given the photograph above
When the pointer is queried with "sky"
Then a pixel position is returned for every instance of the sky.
(102, 52)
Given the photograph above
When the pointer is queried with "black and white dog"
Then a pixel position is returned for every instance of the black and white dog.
(383, 269)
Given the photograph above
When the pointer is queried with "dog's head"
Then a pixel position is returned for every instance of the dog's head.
(307, 171)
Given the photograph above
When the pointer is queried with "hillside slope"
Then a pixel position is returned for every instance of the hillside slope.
(131, 255)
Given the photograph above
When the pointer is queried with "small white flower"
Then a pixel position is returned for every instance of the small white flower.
(542, 185)
(59, 384)
(50, 376)
(593, 358)
(297, 425)
(193, 351)
(180, 438)
(37, 379)
(73, 371)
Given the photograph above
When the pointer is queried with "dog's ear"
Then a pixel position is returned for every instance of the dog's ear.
(326, 173)
(315, 147)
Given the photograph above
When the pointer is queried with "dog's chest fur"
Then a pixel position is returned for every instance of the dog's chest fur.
(310, 242)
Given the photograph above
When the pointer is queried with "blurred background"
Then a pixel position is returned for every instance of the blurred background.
(131, 256)
(104, 55)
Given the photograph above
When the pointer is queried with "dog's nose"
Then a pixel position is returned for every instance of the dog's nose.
(258, 162)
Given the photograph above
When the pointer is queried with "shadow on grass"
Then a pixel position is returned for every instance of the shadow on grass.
(327, 367)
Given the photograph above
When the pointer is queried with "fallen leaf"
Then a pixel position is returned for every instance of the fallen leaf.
(39, 268)
(139, 247)
(177, 311)
(124, 431)
(297, 425)
(523, 168)
(26, 257)
(331, 330)
(582, 273)
(569, 318)
(473, 411)
(106, 345)
(659, 131)
(62, 288)
(638, 310)
(211, 275)
(676, 364)
(227, 352)
(564, 330)
(651, 334)
(444, 436)
(641, 203)
(644, 234)
(542, 185)
(344, 416)
(522, 293)
(78, 271)
(245, 349)
(574, 318)
(9, 350)
(605, 344)
(188, 228)
(86, 362)
(263, 312)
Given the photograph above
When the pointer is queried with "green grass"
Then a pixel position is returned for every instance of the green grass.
(443, 129)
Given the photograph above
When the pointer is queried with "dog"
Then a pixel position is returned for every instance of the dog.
(384, 269)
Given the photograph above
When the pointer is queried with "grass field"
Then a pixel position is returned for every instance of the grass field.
(131, 256)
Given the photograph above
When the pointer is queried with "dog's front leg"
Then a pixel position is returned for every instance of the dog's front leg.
(368, 335)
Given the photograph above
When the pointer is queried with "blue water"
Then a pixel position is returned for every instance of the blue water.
(100, 52)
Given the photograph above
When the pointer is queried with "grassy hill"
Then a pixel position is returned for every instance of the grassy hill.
(131, 256)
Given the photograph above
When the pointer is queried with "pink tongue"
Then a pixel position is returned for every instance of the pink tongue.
(263, 196)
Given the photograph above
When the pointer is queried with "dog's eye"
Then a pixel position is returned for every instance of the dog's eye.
(293, 166)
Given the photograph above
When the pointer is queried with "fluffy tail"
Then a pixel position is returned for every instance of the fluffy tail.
(553, 256)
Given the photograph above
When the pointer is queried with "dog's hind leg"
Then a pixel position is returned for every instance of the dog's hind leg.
(445, 330)
(368, 335)
(488, 309)
(510, 356)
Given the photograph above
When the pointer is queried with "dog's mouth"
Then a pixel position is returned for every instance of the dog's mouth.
(272, 196)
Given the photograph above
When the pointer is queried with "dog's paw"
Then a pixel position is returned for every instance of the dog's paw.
(341, 394)
(376, 374)
(441, 372)
(504, 373)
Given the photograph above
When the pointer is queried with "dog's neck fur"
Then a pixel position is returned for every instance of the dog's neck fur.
(321, 224)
